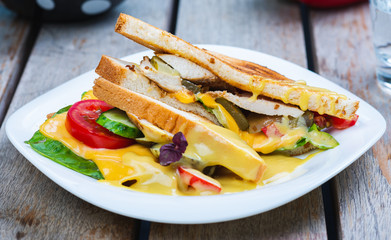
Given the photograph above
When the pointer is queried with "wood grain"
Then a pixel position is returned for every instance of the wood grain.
(13, 37)
(31, 205)
(273, 27)
(345, 55)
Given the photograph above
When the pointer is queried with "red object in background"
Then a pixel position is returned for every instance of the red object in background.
(81, 124)
(329, 3)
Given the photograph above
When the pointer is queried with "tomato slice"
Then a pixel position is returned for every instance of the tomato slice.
(340, 123)
(272, 130)
(81, 124)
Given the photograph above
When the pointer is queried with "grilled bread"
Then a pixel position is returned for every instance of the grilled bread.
(249, 77)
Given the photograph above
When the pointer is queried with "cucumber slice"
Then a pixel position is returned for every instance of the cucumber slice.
(316, 138)
(116, 121)
(321, 140)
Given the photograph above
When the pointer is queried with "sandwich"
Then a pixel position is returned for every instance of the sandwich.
(269, 111)
(188, 121)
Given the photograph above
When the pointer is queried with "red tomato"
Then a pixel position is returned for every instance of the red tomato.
(272, 130)
(329, 3)
(198, 180)
(80, 123)
(322, 121)
(340, 123)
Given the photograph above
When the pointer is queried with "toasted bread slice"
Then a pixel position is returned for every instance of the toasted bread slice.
(206, 141)
(314, 99)
(129, 76)
(250, 67)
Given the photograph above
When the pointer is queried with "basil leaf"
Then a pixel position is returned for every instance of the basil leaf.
(60, 154)
(62, 110)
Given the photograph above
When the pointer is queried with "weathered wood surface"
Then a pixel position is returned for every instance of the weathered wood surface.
(345, 55)
(273, 27)
(31, 205)
(13, 36)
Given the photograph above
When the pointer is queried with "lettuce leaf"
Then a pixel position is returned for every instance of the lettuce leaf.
(60, 154)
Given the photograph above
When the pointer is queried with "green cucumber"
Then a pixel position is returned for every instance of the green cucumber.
(321, 140)
(316, 138)
(116, 121)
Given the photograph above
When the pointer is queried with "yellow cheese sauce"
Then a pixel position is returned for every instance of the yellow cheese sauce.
(88, 95)
(184, 96)
(257, 85)
(136, 165)
(258, 141)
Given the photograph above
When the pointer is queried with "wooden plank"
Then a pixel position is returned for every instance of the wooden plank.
(267, 26)
(13, 37)
(345, 55)
(273, 27)
(32, 206)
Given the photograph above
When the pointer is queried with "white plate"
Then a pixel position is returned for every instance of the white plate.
(354, 142)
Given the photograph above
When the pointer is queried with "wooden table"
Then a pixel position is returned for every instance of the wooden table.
(36, 57)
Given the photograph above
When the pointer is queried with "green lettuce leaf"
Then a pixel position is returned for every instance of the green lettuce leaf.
(60, 154)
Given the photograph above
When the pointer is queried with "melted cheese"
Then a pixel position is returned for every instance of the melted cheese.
(215, 145)
(136, 163)
(88, 95)
(258, 141)
(258, 84)
(261, 143)
(227, 120)
(184, 96)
